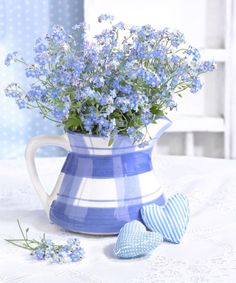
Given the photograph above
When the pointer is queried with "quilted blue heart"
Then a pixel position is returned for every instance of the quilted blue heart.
(134, 240)
(170, 220)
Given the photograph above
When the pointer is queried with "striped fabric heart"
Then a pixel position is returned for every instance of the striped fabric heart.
(170, 220)
(134, 240)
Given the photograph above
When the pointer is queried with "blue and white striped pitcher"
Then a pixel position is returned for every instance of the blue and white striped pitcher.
(100, 187)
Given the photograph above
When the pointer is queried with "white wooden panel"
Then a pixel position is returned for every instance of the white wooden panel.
(228, 78)
(214, 92)
(201, 21)
(187, 123)
(217, 55)
(189, 144)
(232, 81)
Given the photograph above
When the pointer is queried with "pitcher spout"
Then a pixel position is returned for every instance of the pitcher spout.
(156, 130)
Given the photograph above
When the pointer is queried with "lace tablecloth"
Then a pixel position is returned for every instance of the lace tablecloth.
(207, 252)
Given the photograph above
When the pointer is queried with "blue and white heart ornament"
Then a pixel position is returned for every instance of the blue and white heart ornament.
(135, 241)
(170, 220)
(167, 222)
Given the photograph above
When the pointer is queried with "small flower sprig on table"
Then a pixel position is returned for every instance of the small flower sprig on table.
(47, 250)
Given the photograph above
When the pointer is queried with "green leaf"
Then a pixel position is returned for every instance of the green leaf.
(116, 115)
(154, 109)
(111, 140)
(160, 113)
(73, 122)
(139, 121)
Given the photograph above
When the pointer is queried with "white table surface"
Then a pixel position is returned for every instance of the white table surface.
(207, 252)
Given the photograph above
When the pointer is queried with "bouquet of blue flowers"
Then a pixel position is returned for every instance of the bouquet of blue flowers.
(118, 83)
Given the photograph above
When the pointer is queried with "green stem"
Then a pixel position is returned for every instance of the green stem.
(23, 235)
(20, 246)
(21, 61)
(176, 92)
(41, 108)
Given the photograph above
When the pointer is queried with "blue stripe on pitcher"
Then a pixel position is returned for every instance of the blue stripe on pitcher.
(96, 219)
(113, 166)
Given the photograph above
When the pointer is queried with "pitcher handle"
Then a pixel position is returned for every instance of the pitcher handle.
(33, 145)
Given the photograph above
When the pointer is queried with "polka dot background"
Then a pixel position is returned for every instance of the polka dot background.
(21, 22)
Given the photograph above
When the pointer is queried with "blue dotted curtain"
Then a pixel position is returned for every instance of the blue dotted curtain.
(21, 22)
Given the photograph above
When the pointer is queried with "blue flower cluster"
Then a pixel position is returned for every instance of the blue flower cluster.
(47, 250)
(118, 83)
(10, 57)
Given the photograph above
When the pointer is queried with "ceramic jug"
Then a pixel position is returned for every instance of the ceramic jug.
(100, 187)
